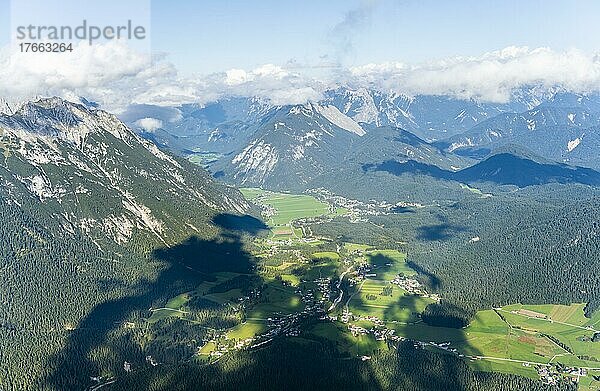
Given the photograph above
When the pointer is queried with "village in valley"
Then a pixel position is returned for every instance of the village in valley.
(366, 298)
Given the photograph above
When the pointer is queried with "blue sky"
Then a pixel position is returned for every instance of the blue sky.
(215, 35)
(212, 35)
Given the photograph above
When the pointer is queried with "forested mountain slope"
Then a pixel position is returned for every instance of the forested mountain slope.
(84, 203)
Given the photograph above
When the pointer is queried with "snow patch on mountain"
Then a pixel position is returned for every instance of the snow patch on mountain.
(571, 145)
(340, 120)
(531, 124)
(297, 152)
(454, 146)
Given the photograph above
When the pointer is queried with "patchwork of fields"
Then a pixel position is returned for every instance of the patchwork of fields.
(365, 296)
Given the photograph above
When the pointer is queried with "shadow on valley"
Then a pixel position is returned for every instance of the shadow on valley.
(410, 167)
(246, 224)
(441, 231)
(402, 210)
(438, 232)
(112, 334)
(121, 341)
(315, 360)
(500, 169)
(404, 364)
(429, 279)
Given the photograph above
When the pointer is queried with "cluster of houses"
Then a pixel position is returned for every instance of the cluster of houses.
(358, 210)
(410, 285)
(324, 285)
(380, 333)
(552, 374)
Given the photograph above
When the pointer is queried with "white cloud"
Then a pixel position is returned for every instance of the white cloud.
(270, 70)
(149, 124)
(343, 34)
(164, 114)
(118, 77)
(490, 77)
(110, 73)
(236, 77)
(294, 96)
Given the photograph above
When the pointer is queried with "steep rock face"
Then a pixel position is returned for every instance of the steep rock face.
(291, 147)
(228, 124)
(431, 117)
(86, 169)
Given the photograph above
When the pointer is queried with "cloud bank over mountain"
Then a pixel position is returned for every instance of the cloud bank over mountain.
(491, 77)
(116, 77)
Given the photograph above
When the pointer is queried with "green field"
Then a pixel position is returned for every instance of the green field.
(291, 279)
(287, 207)
(512, 339)
(566, 324)
(202, 158)
(391, 304)
(388, 263)
(327, 267)
(326, 255)
(276, 299)
(350, 247)
(521, 336)
(177, 306)
(249, 329)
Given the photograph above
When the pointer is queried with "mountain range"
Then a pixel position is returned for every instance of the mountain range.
(102, 224)
(248, 141)
(86, 204)
(88, 172)
(436, 141)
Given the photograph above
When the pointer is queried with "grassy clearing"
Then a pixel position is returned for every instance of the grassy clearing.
(287, 207)
(326, 255)
(251, 193)
(350, 247)
(322, 270)
(172, 308)
(249, 329)
(387, 302)
(475, 191)
(388, 263)
(291, 279)
(176, 306)
(471, 189)
(203, 158)
(276, 299)
(207, 349)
